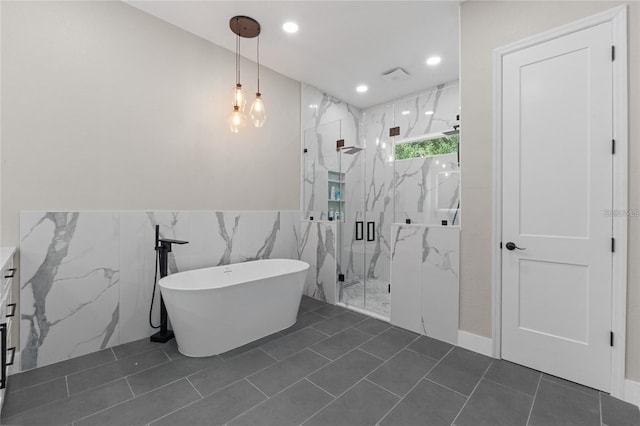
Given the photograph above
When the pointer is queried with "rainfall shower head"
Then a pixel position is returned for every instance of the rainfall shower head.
(350, 149)
(455, 131)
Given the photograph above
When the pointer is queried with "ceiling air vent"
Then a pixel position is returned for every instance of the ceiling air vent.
(396, 74)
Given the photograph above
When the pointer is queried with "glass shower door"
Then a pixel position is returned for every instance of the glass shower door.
(351, 232)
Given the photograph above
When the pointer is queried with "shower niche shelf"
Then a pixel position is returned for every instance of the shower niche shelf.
(335, 195)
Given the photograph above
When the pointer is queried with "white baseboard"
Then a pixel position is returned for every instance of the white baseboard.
(473, 342)
(632, 392)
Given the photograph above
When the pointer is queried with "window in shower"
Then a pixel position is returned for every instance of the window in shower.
(427, 147)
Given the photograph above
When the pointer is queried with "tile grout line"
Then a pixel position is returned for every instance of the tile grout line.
(381, 387)
(133, 394)
(446, 387)
(118, 378)
(57, 401)
(471, 393)
(569, 387)
(534, 400)
(205, 397)
(134, 397)
(416, 385)
(319, 354)
(87, 369)
(194, 388)
(61, 376)
(298, 381)
(508, 387)
(334, 397)
(104, 409)
(266, 400)
(256, 386)
(600, 406)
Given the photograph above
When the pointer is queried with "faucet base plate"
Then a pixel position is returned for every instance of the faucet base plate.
(161, 337)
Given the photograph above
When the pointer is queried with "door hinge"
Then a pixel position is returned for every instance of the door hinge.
(394, 131)
(613, 53)
(341, 278)
(339, 144)
(613, 146)
(501, 244)
(389, 288)
(613, 245)
(611, 339)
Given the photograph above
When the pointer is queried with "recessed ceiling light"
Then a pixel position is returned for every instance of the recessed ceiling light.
(428, 113)
(290, 27)
(405, 112)
(362, 88)
(434, 60)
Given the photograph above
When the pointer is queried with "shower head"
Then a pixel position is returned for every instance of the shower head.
(455, 131)
(350, 149)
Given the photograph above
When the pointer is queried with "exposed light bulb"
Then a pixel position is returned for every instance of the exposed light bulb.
(239, 97)
(237, 120)
(434, 60)
(257, 112)
(428, 113)
(362, 88)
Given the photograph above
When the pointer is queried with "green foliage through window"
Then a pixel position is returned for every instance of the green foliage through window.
(427, 147)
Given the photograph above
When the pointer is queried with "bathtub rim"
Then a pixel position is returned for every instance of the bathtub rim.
(162, 283)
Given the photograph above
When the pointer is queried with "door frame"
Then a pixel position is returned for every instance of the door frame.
(618, 17)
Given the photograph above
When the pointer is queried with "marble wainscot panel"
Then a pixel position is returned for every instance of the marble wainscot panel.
(70, 275)
(138, 260)
(87, 277)
(215, 238)
(317, 247)
(425, 280)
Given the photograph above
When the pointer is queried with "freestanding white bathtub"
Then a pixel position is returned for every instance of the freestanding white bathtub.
(214, 310)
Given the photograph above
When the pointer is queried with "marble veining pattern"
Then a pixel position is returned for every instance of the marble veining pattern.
(317, 247)
(425, 280)
(69, 290)
(87, 277)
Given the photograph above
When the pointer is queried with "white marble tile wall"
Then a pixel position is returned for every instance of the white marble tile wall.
(325, 119)
(87, 277)
(409, 112)
(425, 280)
(317, 246)
(428, 189)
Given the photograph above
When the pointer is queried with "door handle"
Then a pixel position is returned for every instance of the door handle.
(513, 246)
(371, 231)
(359, 230)
(3, 356)
(13, 310)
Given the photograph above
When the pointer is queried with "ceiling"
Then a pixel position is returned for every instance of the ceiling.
(340, 44)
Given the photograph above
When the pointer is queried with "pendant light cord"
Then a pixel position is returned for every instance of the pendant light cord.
(258, 56)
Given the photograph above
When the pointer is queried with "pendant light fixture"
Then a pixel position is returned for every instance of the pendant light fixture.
(245, 27)
(257, 112)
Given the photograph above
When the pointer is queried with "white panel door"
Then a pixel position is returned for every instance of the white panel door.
(557, 184)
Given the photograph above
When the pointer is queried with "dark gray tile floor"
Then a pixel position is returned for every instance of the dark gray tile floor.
(334, 367)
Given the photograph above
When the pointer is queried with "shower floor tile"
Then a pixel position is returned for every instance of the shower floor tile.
(374, 297)
(333, 367)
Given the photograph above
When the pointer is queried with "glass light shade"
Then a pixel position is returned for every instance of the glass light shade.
(237, 120)
(257, 112)
(239, 97)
